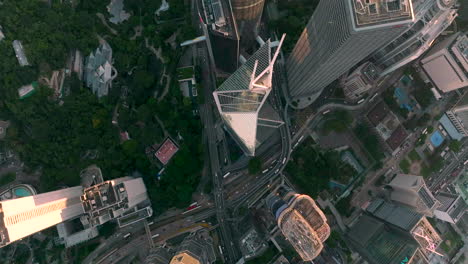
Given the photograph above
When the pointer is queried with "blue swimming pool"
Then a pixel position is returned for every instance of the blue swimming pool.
(403, 99)
(437, 139)
(22, 192)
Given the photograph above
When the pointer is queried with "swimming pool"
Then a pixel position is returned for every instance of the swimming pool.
(437, 139)
(22, 192)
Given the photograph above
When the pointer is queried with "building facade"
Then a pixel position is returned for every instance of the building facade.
(123, 199)
(248, 14)
(360, 81)
(222, 36)
(388, 233)
(242, 99)
(99, 72)
(411, 191)
(446, 64)
(452, 207)
(431, 18)
(302, 222)
(339, 35)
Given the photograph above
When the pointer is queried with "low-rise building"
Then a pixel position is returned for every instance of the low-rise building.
(360, 81)
(27, 90)
(187, 82)
(117, 12)
(387, 126)
(446, 64)
(20, 55)
(99, 72)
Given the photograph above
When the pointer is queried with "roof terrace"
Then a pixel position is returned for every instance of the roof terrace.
(375, 13)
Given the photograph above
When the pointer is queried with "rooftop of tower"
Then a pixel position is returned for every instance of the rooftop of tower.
(376, 13)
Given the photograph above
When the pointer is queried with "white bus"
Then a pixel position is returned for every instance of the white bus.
(155, 235)
(361, 101)
(227, 174)
(326, 112)
(265, 171)
(466, 162)
(284, 160)
(127, 235)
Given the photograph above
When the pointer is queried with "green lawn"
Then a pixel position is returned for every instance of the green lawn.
(405, 165)
(414, 156)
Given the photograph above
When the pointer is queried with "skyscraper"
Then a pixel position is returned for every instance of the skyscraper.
(302, 223)
(411, 191)
(25, 216)
(124, 199)
(242, 99)
(387, 233)
(197, 248)
(340, 34)
(248, 14)
(220, 29)
(432, 17)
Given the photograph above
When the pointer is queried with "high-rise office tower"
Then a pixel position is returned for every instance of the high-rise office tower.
(388, 233)
(197, 248)
(248, 14)
(302, 223)
(411, 191)
(124, 199)
(242, 99)
(25, 216)
(340, 34)
(222, 36)
(431, 18)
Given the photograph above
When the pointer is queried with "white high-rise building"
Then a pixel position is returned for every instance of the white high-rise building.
(411, 191)
(242, 98)
(124, 199)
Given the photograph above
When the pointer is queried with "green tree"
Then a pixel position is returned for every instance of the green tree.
(255, 165)
(455, 145)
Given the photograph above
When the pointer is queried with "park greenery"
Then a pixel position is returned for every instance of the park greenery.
(455, 145)
(369, 140)
(414, 156)
(311, 169)
(338, 121)
(405, 165)
(61, 139)
(255, 165)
